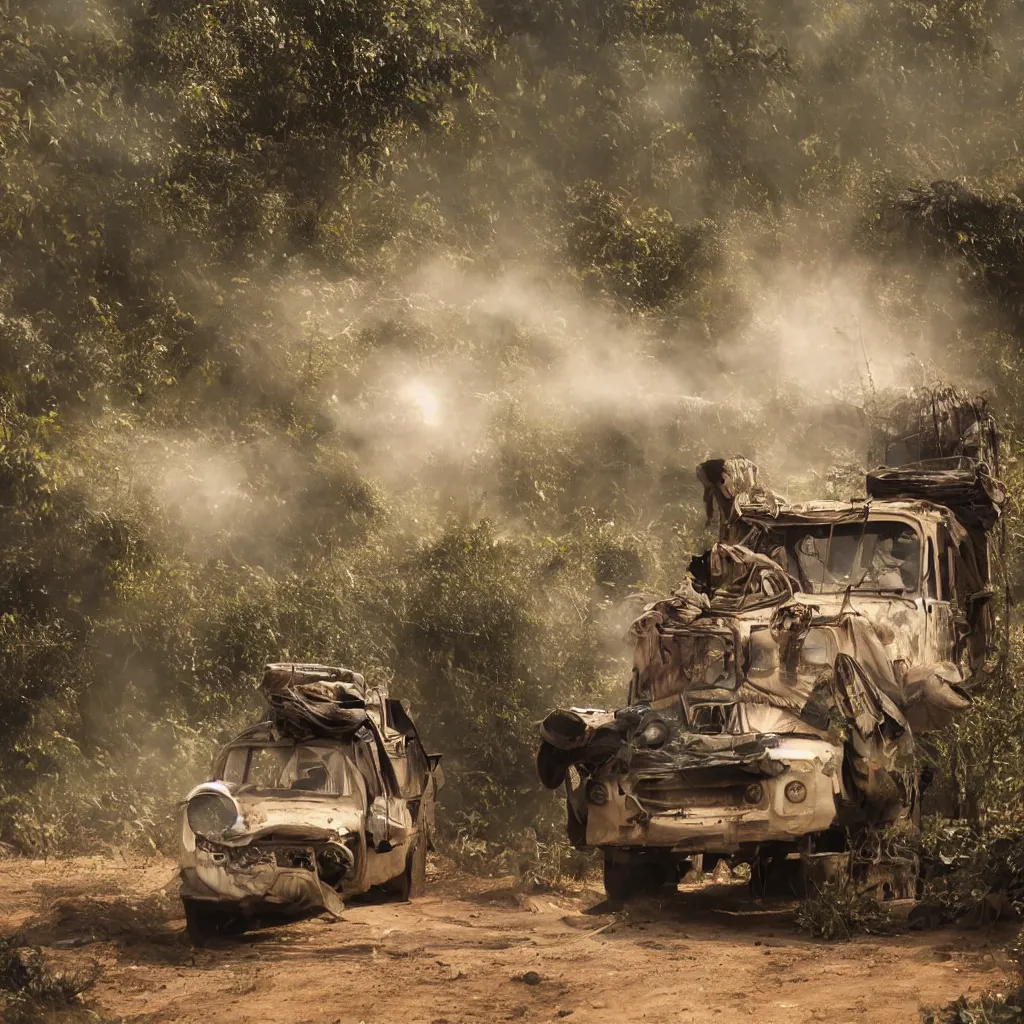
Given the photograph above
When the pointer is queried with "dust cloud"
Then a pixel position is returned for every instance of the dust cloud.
(419, 376)
(432, 417)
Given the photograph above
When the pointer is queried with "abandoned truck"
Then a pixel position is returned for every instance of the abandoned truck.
(331, 794)
(777, 694)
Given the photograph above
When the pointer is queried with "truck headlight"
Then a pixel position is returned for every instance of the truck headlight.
(818, 648)
(796, 792)
(597, 793)
(764, 652)
(654, 734)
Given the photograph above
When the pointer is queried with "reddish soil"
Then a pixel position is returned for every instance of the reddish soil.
(460, 953)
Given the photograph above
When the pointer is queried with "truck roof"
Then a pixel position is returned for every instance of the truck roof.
(824, 511)
(874, 508)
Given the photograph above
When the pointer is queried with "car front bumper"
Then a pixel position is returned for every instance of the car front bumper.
(252, 879)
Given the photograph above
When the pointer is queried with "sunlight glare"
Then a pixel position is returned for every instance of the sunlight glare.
(425, 400)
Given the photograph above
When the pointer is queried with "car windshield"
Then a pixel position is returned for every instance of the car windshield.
(829, 558)
(291, 767)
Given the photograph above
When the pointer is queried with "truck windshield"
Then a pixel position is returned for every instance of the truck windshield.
(829, 558)
(291, 767)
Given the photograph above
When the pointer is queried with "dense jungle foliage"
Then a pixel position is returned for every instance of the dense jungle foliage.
(388, 333)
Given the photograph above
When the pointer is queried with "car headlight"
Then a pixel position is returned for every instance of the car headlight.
(211, 814)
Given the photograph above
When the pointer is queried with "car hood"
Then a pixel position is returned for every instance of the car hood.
(298, 816)
(307, 817)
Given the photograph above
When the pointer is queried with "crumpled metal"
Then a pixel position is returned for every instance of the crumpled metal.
(967, 488)
(745, 579)
(733, 484)
(315, 700)
(933, 696)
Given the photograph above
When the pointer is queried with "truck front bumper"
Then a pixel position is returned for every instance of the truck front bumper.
(724, 819)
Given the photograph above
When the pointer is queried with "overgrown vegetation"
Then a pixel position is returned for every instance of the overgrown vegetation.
(838, 911)
(389, 334)
(977, 870)
(987, 1009)
(971, 872)
(1003, 1007)
(32, 992)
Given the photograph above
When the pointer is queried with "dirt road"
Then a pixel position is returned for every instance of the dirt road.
(461, 953)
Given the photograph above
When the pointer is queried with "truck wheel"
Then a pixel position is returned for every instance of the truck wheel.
(205, 919)
(628, 877)
(774, 876)
(576, 829)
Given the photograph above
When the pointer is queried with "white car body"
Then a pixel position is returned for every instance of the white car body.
(296, 824)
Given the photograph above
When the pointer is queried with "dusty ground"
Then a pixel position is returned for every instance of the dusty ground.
(702, 955)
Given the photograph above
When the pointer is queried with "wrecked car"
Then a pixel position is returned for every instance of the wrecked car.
(778, 697)
(330, 795)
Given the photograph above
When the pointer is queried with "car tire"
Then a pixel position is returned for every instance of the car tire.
(626, 877)
(409, 885)
(418, 867)
(205, 919)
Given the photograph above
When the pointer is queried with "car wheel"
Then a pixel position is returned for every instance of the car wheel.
(418, 867)
(627, 877)
(205, 919)
(409, 885)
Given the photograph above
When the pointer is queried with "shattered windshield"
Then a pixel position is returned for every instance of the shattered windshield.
(292, 767)
(829, 558)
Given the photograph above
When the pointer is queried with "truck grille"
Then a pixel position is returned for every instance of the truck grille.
(673, 794)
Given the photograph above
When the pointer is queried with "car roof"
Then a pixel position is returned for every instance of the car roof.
(264, 732)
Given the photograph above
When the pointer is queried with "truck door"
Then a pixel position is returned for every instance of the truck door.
(950, 614)
(939, 595)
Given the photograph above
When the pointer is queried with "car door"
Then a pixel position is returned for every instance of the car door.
(389, 823)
